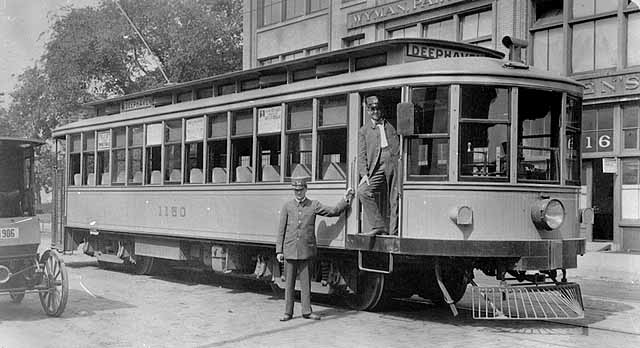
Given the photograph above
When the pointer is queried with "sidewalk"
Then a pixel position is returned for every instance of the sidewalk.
(608, 265)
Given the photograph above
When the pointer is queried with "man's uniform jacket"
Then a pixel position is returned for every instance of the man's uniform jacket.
(296, 234)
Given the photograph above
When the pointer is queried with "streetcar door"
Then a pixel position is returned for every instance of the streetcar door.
(388, 101)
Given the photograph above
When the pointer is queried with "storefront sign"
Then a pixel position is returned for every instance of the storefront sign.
(611, 86)
(269, 119)
(393, 10)
(609, 165)
(432, 52)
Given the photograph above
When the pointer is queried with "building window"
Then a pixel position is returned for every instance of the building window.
(548, 49)
(547, 11)
(594, 45)
(476, 28)
(630, 126)
(583, 8)
(269, 12)
(441, 30)
(484, 132)
(597, 127)
(317, 5)
(293, 8)
(630, 189)
(428, 152)
(633, 39)
(352, 41)
(411, 31)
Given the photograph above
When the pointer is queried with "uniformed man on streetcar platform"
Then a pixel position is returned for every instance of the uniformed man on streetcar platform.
(378, 154)
(296, 243)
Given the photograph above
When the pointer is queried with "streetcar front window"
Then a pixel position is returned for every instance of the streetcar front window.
(573, 123)
(11, 192)
(538, 135)
(484, 133)
(428, 152)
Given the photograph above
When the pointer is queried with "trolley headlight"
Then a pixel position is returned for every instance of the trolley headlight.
(547, 214)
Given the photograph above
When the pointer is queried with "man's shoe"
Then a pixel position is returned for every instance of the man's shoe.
(311, 316)
(286, 317)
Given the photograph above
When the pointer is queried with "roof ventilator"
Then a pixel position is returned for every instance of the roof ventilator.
(515, 47)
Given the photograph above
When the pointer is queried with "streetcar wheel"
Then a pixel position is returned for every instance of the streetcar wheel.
(16, 296)
(370, 292)
(454, 280)
(55, 277)
(143, 265)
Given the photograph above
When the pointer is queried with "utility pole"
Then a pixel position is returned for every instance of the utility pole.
(124, 13)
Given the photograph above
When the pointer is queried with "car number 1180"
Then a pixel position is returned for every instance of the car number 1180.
(9, 233)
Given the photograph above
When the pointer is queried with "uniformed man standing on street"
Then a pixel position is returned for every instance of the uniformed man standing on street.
(378, 154)
(296, 244)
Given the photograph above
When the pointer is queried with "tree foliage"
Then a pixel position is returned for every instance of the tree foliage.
(94, 53)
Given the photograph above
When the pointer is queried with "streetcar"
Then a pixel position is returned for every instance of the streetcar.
(21, 269)
(194, 174)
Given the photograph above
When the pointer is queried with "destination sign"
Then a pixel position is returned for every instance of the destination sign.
(393, 10)
(434, 52)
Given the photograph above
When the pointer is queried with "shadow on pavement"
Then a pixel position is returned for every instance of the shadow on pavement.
(79, 304)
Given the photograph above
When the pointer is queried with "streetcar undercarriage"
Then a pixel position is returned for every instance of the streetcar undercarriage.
(365, 279)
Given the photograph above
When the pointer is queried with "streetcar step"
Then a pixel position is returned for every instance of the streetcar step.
(528, 302)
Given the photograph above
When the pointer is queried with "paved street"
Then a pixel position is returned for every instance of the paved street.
(110, 308)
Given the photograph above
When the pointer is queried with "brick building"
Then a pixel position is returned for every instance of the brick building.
(594, 41)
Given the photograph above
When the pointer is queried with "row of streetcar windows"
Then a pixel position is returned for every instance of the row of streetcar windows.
(241, 146)
(484, 136)
(245, 146)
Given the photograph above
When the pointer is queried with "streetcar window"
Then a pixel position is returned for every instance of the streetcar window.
(194, 151)
(217, 149)
(484, 132)
(134, 176)
(242, 122)
(332, 154)
(10, 177)
(242, 158)
(173, 152)
(332, 138)
(269, 151)
(428, 152)
(118, 159)
(538, 135)
(242, 146)
(102, 162)
(153, 154)
(74, 159)
(299, 126)
(572, 161)
(184, 97)
(217, 161)
(269, 129)
(88, 158)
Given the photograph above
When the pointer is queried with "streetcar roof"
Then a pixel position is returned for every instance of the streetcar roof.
(22, 142)
(365, 50)
(467, 70)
